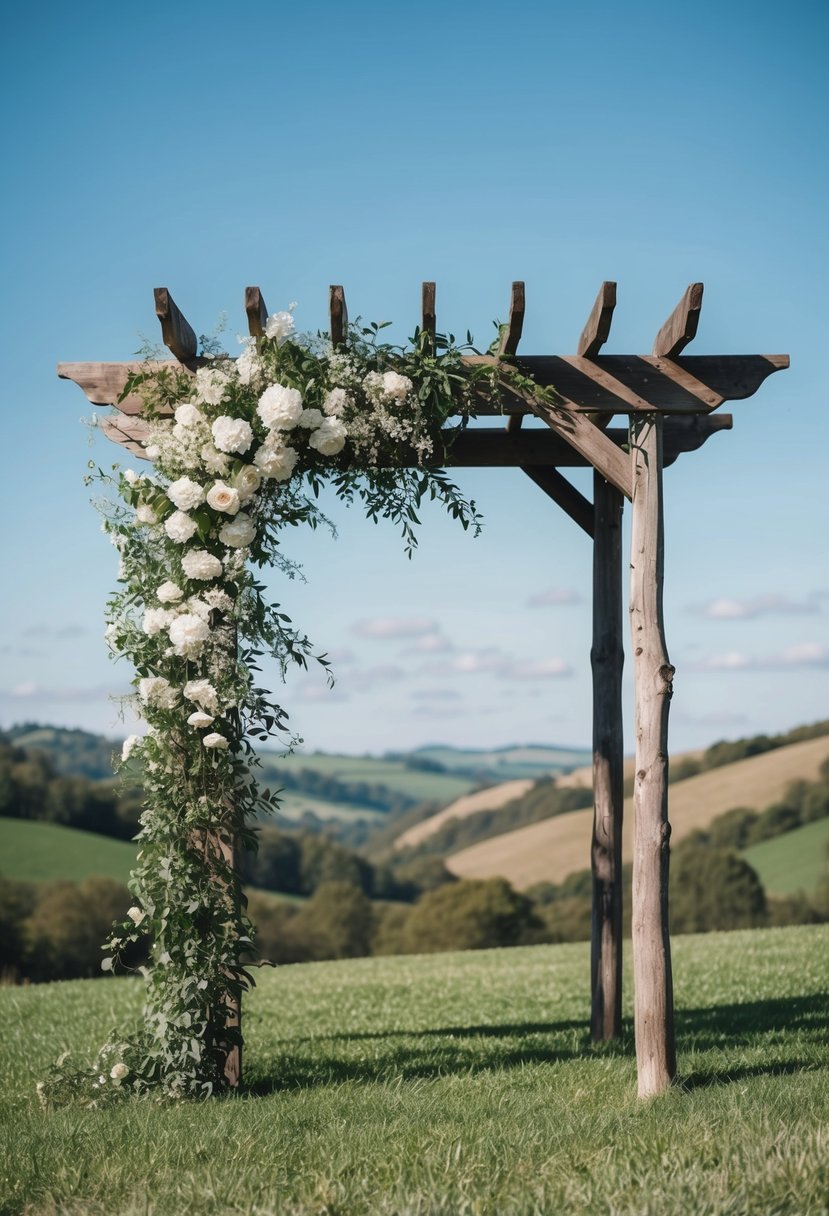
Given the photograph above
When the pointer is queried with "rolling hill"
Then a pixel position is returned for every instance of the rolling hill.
(550, 850)
(794, 861)
(31, 851)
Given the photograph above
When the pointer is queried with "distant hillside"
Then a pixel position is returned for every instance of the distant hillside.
(31, 851)
(794, 861)
(489, 799)
(505, 763)
(550, 850)
(76, 753)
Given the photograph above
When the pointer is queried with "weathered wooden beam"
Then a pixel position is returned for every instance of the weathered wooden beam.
(563, 492)
(589, 441)
(176, 332)
(338, 315)
(606, 661)
(653, 680)
(597, 330)
(511, 332)
(130, 432)
(256, 310)
(428, 314)
(103, 383)
(681, 326)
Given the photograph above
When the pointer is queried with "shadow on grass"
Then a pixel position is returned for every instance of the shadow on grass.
(405, 1055)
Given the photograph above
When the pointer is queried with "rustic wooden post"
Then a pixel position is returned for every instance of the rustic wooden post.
(653, 674)
(607, 659)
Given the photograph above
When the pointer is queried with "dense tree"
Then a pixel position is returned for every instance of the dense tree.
(470, 915)
(714, 889)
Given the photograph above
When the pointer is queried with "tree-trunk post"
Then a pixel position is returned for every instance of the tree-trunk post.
(607, 659)
(653, 676)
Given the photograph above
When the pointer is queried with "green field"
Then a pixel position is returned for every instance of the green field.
(432, 787)
(794, 861)
(446, 1084)
(43, 852)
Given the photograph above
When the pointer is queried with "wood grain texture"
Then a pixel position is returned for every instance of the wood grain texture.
(589, 441)
(338, 315)
(653, 685)
(681, 326)
(176, 332)
(428, 314)
(606, 660)
(597, 330)
(564, 493)
(103, 383)
(256, 312)
(511, 332)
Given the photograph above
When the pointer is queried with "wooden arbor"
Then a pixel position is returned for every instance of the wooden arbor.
(669, 399)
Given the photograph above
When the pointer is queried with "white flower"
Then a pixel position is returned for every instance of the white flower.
(280, 407)
(169, 593)
(199, 564)
(179, 526)
(279, 326)
(216, 741)
(145, 514)
(217, 598)
(222, 497)
(136, 916)
(199, 608)
(129, 745)
(131, 477)
(118, 1072)
(202, 693)
(330, 438)
(185, 494)
(232, 434)
(156, 690)
(188, 634)
(310, 419)
(155, 619)
(335, 402)
(249, 366)
(275, 462)
(247, 481)
(199, 720)
(395, 385)
(238, 533)
(188, 414)
(211, 385)
(106, 964)
(152, 451)
(214, 460)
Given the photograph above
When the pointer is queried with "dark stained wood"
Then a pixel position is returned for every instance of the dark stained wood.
(606, 660)
(588, 440)
(511, 332)
(564, 493)
(681, 326)
(428, 315)
(597, 330)
(338, 314)
(653, 685)
(256, 311)
(176, 332)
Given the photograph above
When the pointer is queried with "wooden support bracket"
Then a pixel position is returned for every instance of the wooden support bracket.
(511, 336)
(681, 326)
(338, 314)
(597, 330)
(176, 332)
(256, 310)
(556, 486)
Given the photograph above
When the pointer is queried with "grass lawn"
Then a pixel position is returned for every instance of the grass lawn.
(447, 1084)
(43, 852)
(794, 861)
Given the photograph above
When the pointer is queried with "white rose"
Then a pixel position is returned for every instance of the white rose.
(216, 741)
(280, 407)
(155, 619)
(238, 533)
(211, 385)
(118, 1072)
(214, 460)
(188, 414)
(199, 564)
(135, 915)
(276, 462)
(330, 438)
(310, 419)
(185, 494)
(169, 593)
(279, 326)
(247, 481)
(188, 634)
(232, 434)
(131, 477)
(202, 693)
(146, 515)
(199, 720)
(395, 385)
(156, 690)
(222, 497)
(335, 402)
(179, 527)
(129, 745)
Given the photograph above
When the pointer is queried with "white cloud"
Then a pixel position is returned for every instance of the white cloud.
(30, 690)
(725, 609)
(430, 643)
(381, 627)
(536, 669)
(555, 597)
(435, 694)
(803, 654)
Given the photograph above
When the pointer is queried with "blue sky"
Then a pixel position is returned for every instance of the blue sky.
(205, 148)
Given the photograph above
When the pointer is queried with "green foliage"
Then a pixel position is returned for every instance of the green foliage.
(470, 915)
(713, 889)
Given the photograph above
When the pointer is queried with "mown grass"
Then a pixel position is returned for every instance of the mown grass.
(794, 861)
(42, 852)
(450, 1084)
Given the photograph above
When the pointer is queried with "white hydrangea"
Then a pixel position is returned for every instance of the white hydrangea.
(152, 451)
(202, 692)
(280, 407)
(188, 634)
(198, 607)
(185, 494)
(330, 438)
(222, 497)
(199, 564)
(335, 402)
(247, 481)
(214, 460)
(238, 533)
(249, 366)
(396, 386)
(169, 593)
(311, 419)
(279, 326)
(145, 514)
(217, 741)
(155, 619)
(276, 462)
(232, 434)
(156, 690)
(188, 414)
(179, 527)
(129, 746)
(211, 385)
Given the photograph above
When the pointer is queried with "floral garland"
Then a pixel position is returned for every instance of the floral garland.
(241, 450)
